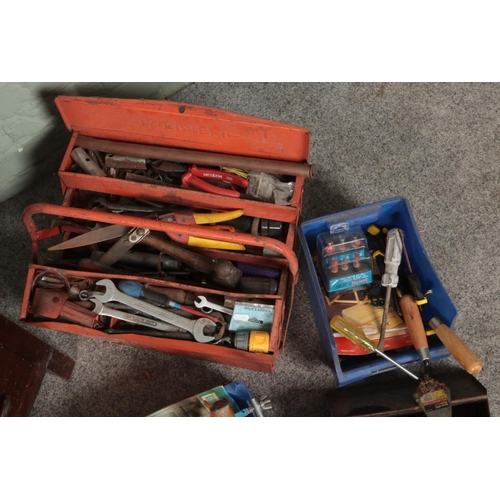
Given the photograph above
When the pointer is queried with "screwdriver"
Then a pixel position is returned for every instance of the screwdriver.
(390, 278)
(356, 336)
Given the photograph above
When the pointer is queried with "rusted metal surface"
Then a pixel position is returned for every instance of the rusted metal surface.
(178, 125)
(184, 197)
(54, 304)
(169, 126)
(124, 162)
(216, 353)
(198, 157)
(160, 226)
(86, 163)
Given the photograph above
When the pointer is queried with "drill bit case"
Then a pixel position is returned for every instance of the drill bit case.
(192, 131)
(391, 213)
(344, 260)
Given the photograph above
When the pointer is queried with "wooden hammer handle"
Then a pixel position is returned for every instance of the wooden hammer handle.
(459, 350)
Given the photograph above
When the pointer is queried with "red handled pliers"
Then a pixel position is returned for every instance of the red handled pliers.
(194, 178)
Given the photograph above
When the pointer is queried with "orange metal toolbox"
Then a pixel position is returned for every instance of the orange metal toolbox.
(182, 130)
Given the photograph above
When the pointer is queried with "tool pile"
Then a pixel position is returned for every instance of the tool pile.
(405, 297)
(240, 314)
(223, 181)
(187, 214)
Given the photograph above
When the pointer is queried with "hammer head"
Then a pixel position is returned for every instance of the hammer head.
(226, 274)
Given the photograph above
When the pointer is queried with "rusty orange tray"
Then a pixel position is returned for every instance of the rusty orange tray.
(191, 128)
(282, 300)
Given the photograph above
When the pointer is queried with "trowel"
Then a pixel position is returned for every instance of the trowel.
(433, 397)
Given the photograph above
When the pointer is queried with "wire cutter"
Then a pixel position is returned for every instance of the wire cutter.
(191, 218)
(194, 178)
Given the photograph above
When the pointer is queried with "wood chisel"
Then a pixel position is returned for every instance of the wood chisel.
(457, 347)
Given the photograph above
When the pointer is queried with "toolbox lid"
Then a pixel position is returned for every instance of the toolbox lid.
(174, 124)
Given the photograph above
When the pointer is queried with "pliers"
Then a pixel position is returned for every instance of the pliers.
(191, 218)
(194, 178)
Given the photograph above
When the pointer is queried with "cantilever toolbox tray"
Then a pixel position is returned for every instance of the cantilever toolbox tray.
(191, 130)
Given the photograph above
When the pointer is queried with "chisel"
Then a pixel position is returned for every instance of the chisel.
(457, 347)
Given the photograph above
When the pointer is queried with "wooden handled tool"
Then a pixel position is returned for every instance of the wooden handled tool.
(459, 350)
(433, 397)
(457, 347)
(415, 326)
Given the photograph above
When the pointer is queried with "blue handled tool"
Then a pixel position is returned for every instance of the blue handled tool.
(139, 291)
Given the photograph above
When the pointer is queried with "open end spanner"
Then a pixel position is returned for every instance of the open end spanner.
(102, 310)
(196, 327)
(207, 306)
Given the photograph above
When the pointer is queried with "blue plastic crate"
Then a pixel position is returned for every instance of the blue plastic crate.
(395, 212)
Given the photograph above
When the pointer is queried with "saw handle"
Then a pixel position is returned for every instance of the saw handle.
(459, 350)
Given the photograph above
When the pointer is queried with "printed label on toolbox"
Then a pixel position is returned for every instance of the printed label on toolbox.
(350, 281)
(248, 316)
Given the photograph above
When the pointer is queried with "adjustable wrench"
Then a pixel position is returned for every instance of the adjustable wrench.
(102, 310)
(196, 327)
(207, 306)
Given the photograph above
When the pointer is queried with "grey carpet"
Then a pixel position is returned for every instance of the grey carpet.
(435, 144)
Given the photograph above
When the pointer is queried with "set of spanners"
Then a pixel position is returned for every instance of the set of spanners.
(134, 319)
(112, 294)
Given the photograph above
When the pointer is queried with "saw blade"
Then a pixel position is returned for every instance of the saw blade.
(92, 237)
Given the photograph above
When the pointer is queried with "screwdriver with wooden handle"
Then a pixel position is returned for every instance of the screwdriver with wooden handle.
(457, 347)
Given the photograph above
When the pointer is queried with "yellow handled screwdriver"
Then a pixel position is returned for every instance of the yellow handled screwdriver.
(356, 335)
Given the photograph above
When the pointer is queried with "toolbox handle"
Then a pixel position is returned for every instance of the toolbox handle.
(154, 225)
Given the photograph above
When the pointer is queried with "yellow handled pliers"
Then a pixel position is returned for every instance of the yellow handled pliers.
(192, 218)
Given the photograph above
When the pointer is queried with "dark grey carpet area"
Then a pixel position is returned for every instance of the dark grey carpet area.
(435, 144)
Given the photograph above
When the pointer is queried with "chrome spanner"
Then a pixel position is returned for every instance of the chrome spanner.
(102, 310)
(206, 306)
(196, 327)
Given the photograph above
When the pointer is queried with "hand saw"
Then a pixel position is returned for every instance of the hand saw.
(224, 272)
